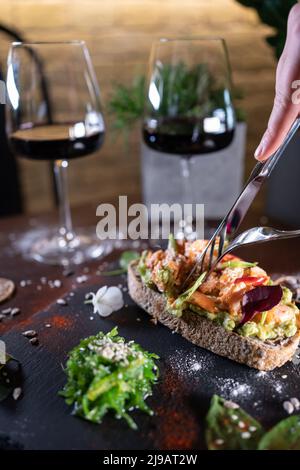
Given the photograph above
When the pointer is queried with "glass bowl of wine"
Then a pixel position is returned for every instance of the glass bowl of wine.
(54, 113)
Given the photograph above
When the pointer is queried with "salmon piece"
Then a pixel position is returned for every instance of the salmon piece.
(279, 314)
(201, 300)
(153, 258)
(256, 271)
(192, 250)
(211, 285)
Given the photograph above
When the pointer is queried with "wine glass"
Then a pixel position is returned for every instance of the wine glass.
(54, 113)
(189, 110)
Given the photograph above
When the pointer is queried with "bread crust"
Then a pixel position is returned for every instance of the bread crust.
(209, 335)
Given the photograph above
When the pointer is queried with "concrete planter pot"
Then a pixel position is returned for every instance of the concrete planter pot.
(217, 178)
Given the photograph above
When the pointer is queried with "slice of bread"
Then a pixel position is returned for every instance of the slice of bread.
(262, 355)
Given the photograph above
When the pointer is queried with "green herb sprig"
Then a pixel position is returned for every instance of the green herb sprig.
(124, 261)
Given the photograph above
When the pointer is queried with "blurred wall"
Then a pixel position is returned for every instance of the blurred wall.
(119, 34)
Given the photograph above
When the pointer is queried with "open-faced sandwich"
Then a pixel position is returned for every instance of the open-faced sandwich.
(237, 311)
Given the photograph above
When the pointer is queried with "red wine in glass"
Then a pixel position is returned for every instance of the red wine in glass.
(55, 142)
(184, 136)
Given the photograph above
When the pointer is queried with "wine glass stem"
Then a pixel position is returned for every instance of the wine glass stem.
(60, 171)
(188, 195)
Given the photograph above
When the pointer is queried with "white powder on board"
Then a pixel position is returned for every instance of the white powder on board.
(188, 363)
(196, 366)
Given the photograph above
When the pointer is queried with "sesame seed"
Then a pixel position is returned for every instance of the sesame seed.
(6, 311)
(231, 405)
(29, 333)
(17, 393)
(288, 407)
(295, 402)
(241, 424)
(15, 311)
(245, 435)
(284, 376)
(81, 279)
(57, 283)
(252, 428)
(61, 302)
(219, 442)
(34, 341)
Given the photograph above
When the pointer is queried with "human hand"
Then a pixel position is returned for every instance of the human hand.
(287, 98)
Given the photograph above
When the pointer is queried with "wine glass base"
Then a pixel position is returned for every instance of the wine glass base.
(46, 246)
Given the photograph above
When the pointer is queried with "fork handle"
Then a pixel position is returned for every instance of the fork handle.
(240, 240)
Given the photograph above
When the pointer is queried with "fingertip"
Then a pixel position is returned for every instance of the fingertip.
(259, 152)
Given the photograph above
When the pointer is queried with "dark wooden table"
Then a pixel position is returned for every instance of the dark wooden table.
(41, 420)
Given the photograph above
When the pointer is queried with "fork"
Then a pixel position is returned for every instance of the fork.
(236, 214)
(254, 236)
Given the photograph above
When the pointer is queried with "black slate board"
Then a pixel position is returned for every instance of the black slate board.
(189, 377)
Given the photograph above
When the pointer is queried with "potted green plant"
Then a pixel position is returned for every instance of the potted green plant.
(283, 191)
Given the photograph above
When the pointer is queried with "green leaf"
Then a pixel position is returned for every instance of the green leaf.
(172, 244)
(274, 13)
(5, 388)
(237, 264)
(127, 257)
(124, 261)
(284, 436)
(229, 427)
(177, 307)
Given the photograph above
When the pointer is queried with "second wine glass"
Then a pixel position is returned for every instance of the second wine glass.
(54, 113)
(189, 110)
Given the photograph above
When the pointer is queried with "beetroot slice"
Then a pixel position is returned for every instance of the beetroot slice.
(260, 299)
